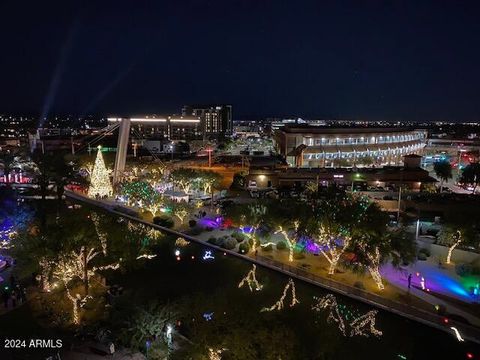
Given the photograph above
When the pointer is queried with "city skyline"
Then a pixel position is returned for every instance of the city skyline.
(346, 61)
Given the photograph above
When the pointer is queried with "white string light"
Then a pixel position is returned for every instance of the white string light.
(359, 325)
(181, 242)
(145, 256)
(251, 280)
(280, 303)
(330, 302)
(363, 325)
(101, 235)
(457, 334)
(99, 179)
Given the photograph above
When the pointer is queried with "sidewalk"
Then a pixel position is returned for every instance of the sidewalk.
(397, 279)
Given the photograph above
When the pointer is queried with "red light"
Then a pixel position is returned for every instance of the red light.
(445, 320)
(193, 257)
(469, 356)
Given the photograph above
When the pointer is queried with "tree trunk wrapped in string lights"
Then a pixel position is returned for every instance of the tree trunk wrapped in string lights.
(333, 250)
(101, 235)
(77, 266)
(458, 239)
(290, 239)
(374, 268)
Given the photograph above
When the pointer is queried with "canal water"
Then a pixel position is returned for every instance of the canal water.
(209, 283)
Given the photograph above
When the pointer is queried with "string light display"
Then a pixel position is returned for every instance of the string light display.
(280, 303)
(457, 334)
(215, 354)
(208, 255)
(330, 302)
(181, 242)
(458, 240)
(101, 235)
(365, 325)
(360, 325)
(180, 213)
(267, 244)
(100, 178)
(208, 316)
(331, 245)
(76, 266)
(251, 280)
(146, 256)
(290, 241)
(141, 192)
(374, 268)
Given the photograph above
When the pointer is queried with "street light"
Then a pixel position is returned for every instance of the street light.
(355, 177)
(209, 150)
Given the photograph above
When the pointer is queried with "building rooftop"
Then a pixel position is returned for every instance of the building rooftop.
(302, 129)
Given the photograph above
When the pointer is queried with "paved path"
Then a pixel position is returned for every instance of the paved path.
(397, 279)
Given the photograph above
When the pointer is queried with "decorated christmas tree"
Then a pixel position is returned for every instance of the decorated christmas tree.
(99, 179)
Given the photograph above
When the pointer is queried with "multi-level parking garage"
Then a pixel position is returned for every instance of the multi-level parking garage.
(309, 146)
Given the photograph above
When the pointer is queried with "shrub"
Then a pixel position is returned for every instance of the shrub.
(475, 270)
(164, 221)
(425, 251)
(432, 232)
(269, 247)
(463, 269)
(421, 256)
(239, 236)
(197, 230)
(359, 285)
(212, 240)
(230, 243)
(208, 228)
(298, 255)
(219, 242)
(281, 245)
(250, 242)
(192, 223)
(244, 248)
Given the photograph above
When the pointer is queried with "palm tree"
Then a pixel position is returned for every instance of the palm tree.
(471, 175)
(443, 169)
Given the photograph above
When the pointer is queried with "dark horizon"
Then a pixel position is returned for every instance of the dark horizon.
(373, 61)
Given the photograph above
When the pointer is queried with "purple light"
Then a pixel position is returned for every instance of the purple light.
(207, 222)
(246, 229)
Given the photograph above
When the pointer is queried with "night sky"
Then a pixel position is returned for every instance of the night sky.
(405, 60)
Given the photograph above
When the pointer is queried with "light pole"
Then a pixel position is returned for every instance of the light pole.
(209, 150)
(399, 196)
(354, 177)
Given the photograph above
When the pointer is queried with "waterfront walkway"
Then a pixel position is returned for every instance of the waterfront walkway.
(468, 332)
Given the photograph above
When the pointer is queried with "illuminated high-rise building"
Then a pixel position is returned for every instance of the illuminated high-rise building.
(216, 120)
